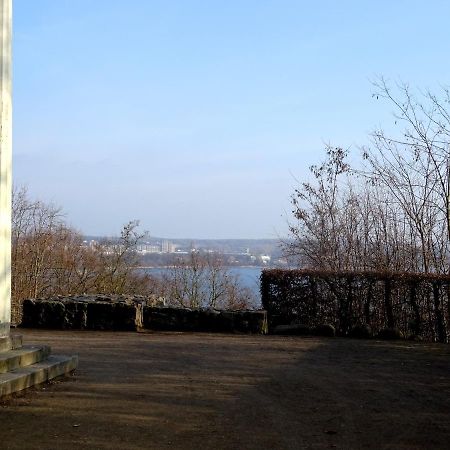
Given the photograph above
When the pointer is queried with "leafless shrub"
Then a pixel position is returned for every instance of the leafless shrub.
(202, 280)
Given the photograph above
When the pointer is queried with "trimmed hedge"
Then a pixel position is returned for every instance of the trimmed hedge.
(417, 305)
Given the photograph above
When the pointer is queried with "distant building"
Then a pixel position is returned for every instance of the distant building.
(91, 244)
(168, 247)
(265, 259)
(144, 249)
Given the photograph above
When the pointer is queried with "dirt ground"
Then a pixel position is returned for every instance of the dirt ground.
(205, 391)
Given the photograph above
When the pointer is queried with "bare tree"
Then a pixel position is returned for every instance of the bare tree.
(394, 215)
(415, 168)
(117, 259)
(49, 258)
(318, 206)
(202, 280)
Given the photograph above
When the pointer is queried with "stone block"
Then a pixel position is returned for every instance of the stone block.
(255, 322)
(12, 342)
(390, 334)
(111, 316)
(361, 332)
(75, 317)
(211, 320)
(207, 320)
(293, 330)
(167, 319)
(26, 356)
(25, 377)
(325, 330)
(43, 314)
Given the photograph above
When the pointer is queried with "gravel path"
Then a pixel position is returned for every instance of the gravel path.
(205, 391)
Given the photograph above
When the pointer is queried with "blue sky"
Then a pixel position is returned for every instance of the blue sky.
(197, 116)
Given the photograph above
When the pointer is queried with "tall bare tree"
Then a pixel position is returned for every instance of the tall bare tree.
(394, 215)
(415, 167)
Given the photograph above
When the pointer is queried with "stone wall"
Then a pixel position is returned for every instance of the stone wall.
(134, 313)
(211, 320)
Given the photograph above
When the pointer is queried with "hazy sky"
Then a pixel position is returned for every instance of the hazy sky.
(195, 116)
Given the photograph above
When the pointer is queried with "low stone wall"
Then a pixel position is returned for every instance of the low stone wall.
(125, 313)
(121, 313)
(211, 320)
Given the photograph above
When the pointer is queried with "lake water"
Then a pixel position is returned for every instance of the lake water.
(248, 277)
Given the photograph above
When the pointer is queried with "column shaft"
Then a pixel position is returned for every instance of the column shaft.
(5, 164)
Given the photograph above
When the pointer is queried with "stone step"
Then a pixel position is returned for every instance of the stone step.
(27, 355)
(25, 377)
(12, 342)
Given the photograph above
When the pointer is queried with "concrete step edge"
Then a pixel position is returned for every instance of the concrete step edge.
(12, 342)
(26, 356)
(25, 377)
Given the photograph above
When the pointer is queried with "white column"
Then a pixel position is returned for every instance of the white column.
(5, 165)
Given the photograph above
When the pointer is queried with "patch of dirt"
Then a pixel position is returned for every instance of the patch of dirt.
(206, 391)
